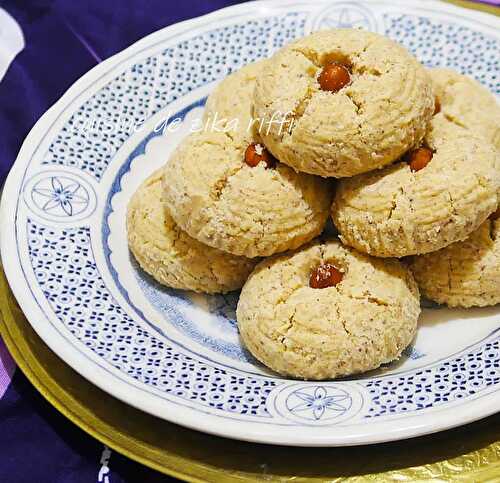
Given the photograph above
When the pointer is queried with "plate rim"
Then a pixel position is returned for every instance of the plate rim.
(11, 329)
(189, 417)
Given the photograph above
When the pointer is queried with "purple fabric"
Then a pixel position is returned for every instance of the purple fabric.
(66, 38)
(63, 40)
(39, 445)
(7, 367)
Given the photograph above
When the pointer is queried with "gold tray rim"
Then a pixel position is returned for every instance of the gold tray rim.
(483, 464)
(179, 467)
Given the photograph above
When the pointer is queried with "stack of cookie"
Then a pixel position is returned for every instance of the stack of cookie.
(345, 122)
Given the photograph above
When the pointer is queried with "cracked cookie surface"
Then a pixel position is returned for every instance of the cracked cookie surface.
(395, 212)
(171, 256)
(251, 211)
(225, 102)
(467, 103)
(362, 322)
(464, 274)
(367, 124)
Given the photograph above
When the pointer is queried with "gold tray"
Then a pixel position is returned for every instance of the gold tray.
(469, 453)
(474, 5)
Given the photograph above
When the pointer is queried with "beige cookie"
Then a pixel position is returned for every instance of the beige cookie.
(363, 321)
(467, 103)
(396, 211)
(224, 107)
(464, 274)
(171, 256)
(253, 211)
(381, 112)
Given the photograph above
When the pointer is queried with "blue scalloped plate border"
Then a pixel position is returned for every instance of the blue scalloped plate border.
(59, 198)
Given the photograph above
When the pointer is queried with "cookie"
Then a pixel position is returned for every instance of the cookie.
(224, 105)
(351, 101)
(467, 103)
(171, 256)
(407, 209)
(233, 196)
(363, 313)
(466, 273)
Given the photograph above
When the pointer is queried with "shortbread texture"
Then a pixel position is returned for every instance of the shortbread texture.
(467, 103)
(230, 104)
(367, 124)
(464, 274)
(395, 212)
(364, 321)
(251, 211)
(171, 256)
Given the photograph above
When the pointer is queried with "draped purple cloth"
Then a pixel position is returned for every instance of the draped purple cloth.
(62, 40)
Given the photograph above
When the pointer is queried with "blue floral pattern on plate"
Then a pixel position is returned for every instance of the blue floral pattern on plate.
(60, 196)
(71, 191)
(318, 402)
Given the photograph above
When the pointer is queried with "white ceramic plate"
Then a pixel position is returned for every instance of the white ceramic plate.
(175, 354)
